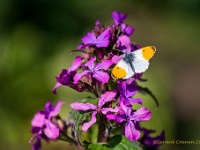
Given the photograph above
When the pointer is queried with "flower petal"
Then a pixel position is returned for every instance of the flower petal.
(37, 144)
(127, 88)
(38, 120)
(129, 30)
(48, 107)
(118, 17)
(131, 87)
(78, 76)
(80, 47)
(76, 63)
(97, 23)
(135, 100)
(103, 39)
(91, 122)
(116, 118)
(63, 78)
(55, 87)
(142, 114)
(101, 76)
(106, 97)
(89, 38)
(122, 88)
(90, 63)
(56, 109)
(51, 131)
(105, 65)
(126, 29)
(130, 132)
(126, 109)
(82, 106)
(123, 42)
(106, 110)
(115, 59)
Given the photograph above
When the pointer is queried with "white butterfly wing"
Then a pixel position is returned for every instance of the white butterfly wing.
(139, 63)
(123, 65)
(127, 68)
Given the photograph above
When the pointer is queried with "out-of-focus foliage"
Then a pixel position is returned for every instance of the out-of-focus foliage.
(36, 37)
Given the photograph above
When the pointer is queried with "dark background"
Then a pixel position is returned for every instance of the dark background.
(36, 37)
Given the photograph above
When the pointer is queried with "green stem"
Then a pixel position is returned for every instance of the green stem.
(64, 137)
(103, 134)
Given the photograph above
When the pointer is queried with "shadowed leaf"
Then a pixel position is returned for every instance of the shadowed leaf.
(117, 142)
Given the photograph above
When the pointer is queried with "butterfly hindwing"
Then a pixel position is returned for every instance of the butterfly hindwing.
(120, 70)
(141, 58)
(130, 72)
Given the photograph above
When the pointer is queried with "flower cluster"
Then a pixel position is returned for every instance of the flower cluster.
(45, 124)
(113, 104)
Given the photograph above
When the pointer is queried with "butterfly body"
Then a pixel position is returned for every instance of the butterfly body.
(133, 62)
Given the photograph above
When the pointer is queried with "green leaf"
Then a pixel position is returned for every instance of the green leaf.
(78, 117)
(117, 142)
(90, 100)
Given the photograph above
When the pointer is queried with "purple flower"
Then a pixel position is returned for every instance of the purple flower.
(115, 59)
(127, 89)
(127, 30)
(130, 118)
(66, 76)
(101, 41)
(106, 97)
(37, 145)
(95, 70)
(42, 125)
(123, 43)
(97, 22)
(118, 17)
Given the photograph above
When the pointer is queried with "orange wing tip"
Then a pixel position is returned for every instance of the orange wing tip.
(148, 52)
(154, 48)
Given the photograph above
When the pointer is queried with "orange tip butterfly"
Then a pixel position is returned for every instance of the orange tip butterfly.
(132, 63)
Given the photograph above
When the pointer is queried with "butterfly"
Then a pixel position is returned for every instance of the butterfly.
(133, 63)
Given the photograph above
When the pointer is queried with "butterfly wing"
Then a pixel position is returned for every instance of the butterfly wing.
(130, 72)
(140, 65)
(141, 58)
(120, 70)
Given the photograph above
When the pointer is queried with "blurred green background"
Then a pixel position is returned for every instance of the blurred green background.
(36, 37)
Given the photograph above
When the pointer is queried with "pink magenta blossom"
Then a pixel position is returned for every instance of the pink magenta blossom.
(95, 70)
(106, 97)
